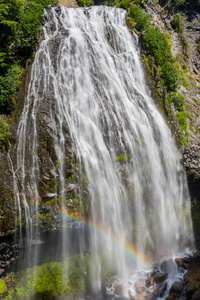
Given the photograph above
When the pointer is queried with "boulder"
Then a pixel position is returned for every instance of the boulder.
(176, 288)
(168, 266)
(160, 277)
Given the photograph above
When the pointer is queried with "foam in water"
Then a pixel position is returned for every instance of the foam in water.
(137, 187)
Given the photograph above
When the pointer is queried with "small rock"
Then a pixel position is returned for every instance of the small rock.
(130, 295)
(152, 292)
(53, 172)
(119, 290)
(1, 271)
(142, 297)
(139, 288)
(160, 277)
(149, 281)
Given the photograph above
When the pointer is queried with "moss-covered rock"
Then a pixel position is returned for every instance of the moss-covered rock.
(55, 280)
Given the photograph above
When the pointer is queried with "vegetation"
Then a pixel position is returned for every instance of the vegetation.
(198, 43)
(158, 45)
(51, 280)
(4, 131)
(19, 24)
(2, 286)
(170, 75)
(177, 23)
(141, 18)
(83, 3)
(179, 101)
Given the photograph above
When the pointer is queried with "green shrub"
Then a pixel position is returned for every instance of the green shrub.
(179, 101)
(4, 131)
(7, 87)
(185, 45)
(19, 24)
(198, 43)
(178, 23)
(190, 26)
(181, 118)
(123, 4)
(2, 286)
(170, 75)
(83, 3)
(158, 45)
(140, 17)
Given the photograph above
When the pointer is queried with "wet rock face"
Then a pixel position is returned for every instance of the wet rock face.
(47, 151)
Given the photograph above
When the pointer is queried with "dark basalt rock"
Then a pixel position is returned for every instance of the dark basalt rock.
(176, 288)
(160, 277)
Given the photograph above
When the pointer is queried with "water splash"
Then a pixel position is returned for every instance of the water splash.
(88, 72)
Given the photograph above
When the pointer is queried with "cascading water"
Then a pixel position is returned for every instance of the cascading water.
(89, 72)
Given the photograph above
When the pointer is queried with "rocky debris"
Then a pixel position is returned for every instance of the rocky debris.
(153, 292)
(168, 266)
(183, 262)
(181, 280)
(139, 288)
(191, 159)
(160, 277)
(142, 297)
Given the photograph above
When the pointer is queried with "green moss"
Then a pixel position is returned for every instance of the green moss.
(120, 157)
(2, 286)
(4, 131)
(52, 280)
(45, 144)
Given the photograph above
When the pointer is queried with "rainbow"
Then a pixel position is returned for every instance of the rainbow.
(130, 249)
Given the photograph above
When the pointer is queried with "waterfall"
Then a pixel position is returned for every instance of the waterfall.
(89, 108)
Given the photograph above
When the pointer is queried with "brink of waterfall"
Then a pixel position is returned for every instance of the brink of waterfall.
(93, 151)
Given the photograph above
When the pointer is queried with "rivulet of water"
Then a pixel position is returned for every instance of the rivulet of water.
(94, 82)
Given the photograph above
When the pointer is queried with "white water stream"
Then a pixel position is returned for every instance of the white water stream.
(137, 187)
